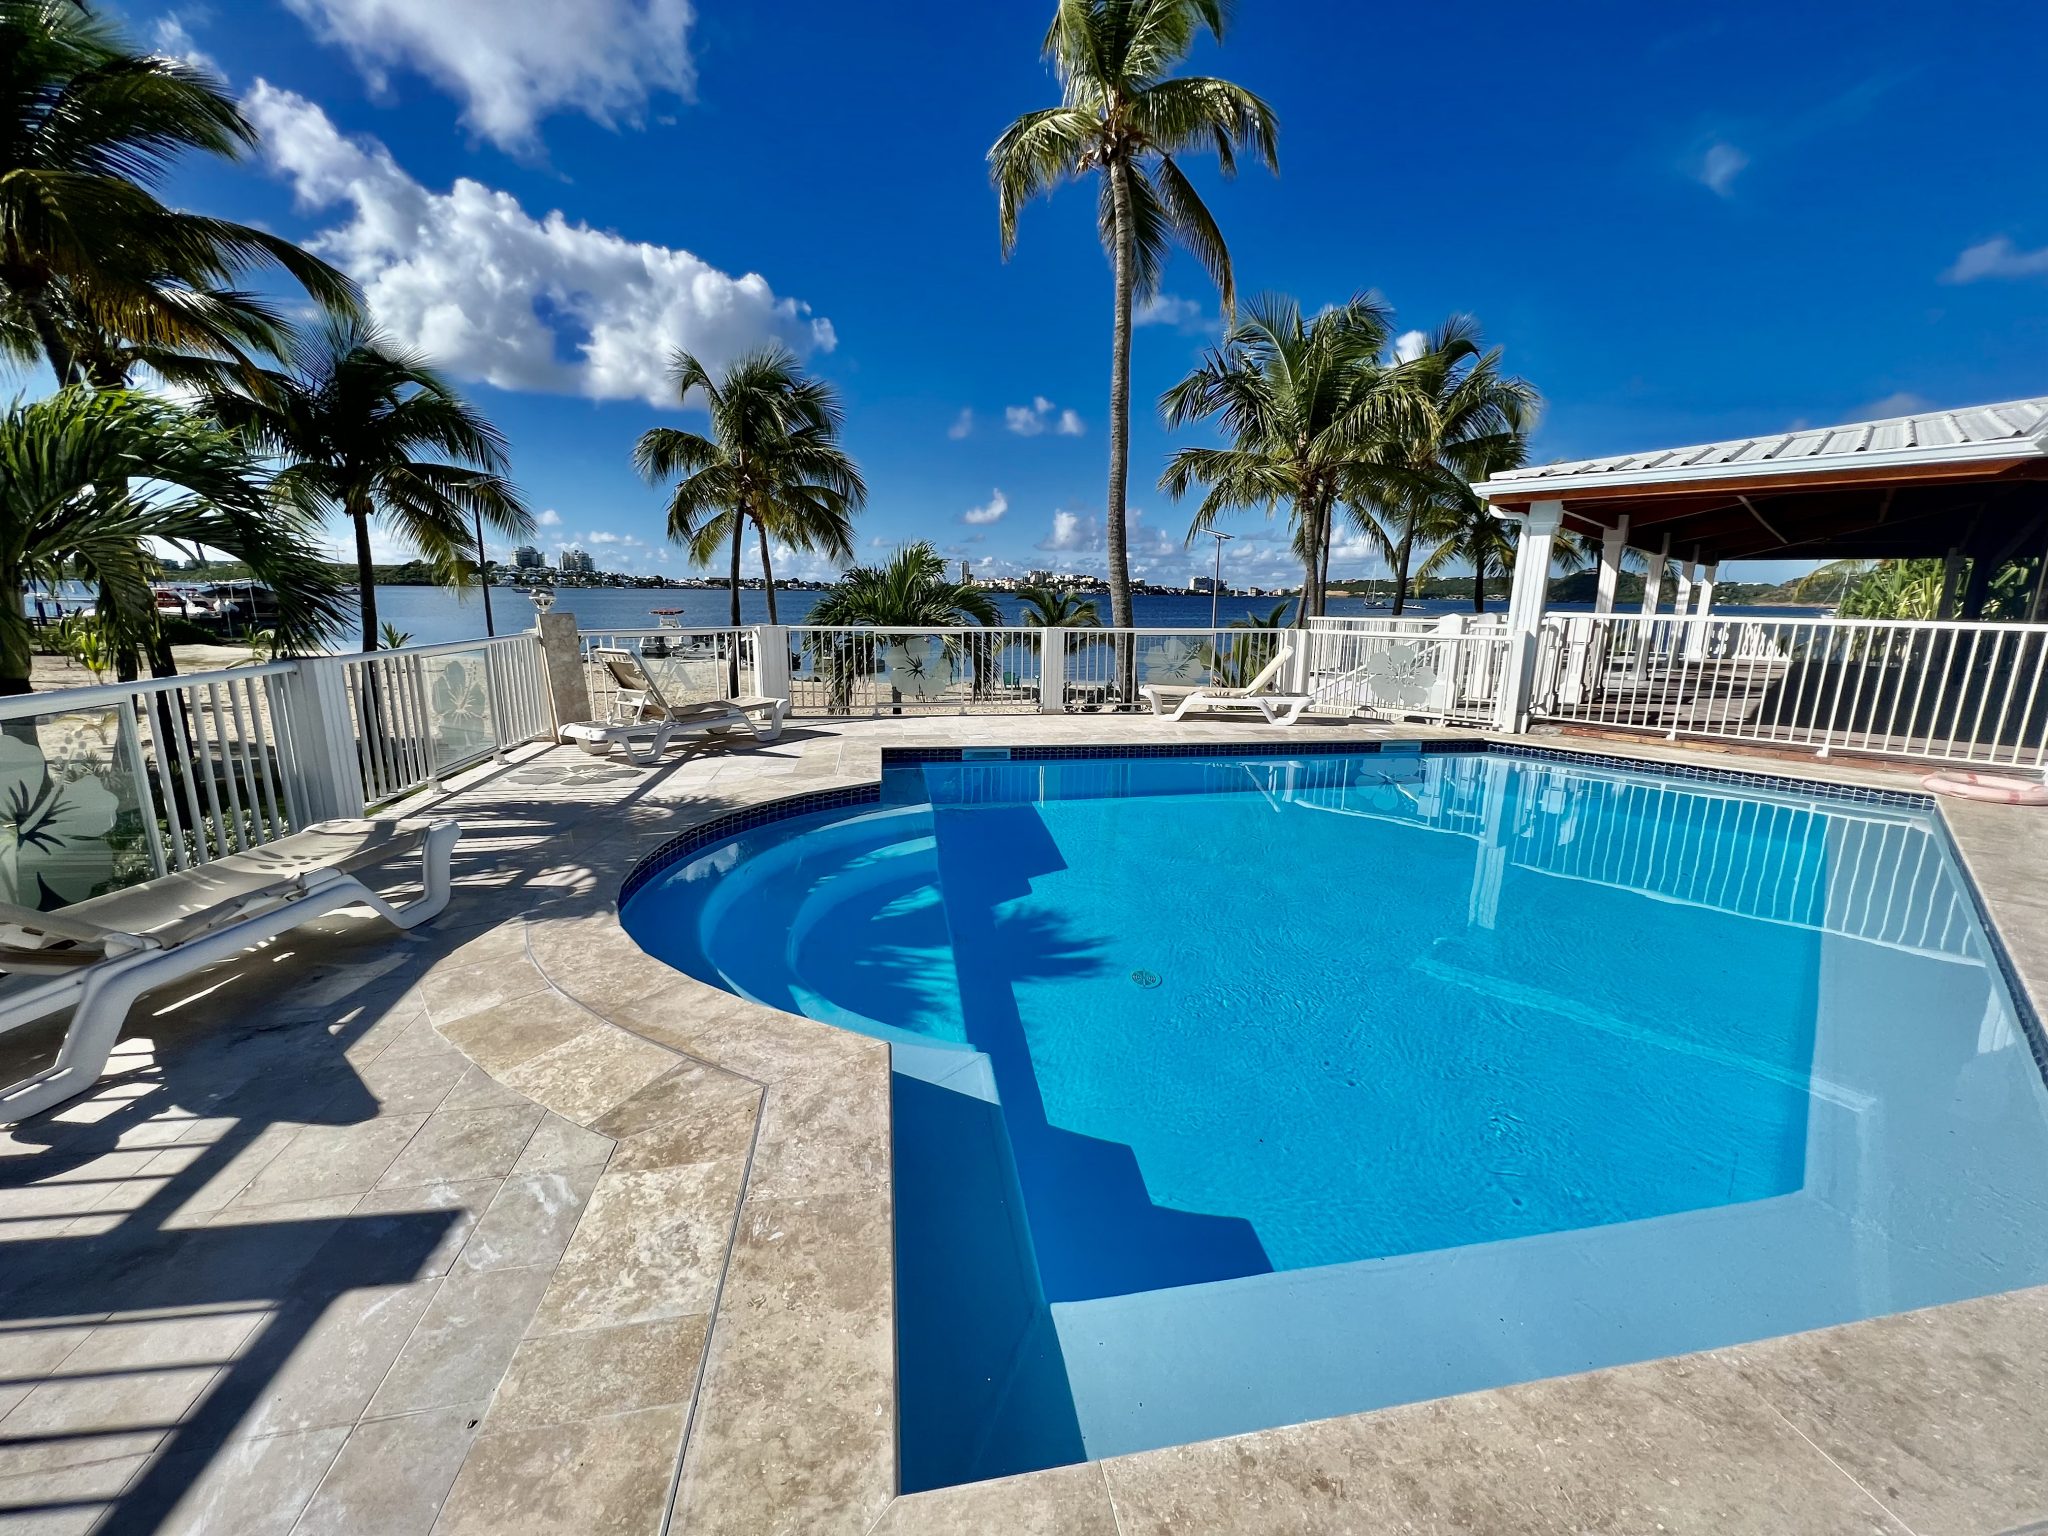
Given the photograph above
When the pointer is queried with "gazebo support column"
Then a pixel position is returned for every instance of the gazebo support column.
(1527, 598)
(1613, 544)
(1702, 611)
(1653, 594)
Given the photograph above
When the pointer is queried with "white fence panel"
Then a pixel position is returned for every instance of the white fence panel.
(1449, 678)
(1938, 691)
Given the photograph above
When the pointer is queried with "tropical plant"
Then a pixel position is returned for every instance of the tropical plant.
(911, 591)
(89, 480)
(1419, 479)
(367, 429)
(1123, 118)
(1305, 405)
(81, 638)
(772, 460)
(1466, 531)
(1058, 608)
(394, 638)
(96, 272)
(1234, 665)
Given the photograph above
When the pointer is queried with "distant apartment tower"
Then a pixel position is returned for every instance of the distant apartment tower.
(1041, 578)
(527, 558)
(576, 563)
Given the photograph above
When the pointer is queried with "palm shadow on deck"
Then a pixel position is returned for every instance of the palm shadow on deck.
(204, 1274)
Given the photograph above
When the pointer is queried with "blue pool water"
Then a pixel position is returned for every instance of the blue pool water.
(1234, 1091)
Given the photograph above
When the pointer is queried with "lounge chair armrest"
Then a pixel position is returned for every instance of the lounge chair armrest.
(24, 930)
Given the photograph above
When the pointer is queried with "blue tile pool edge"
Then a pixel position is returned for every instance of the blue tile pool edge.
(721, 828)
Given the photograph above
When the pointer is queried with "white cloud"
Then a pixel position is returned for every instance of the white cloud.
(491, 293)
(1719, 167)
(172, 38)
(1081, 533)
(1900, 402)
(1042, 416)
(1410, 345)
(1072, 532)
(512, 62)
(548, 519)
(1997, 257)
(963, 424)
(1170, 309)
(993, 512)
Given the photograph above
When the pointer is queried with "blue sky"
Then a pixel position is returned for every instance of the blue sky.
(1680, 227)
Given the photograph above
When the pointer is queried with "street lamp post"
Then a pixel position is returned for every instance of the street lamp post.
(1215, 589)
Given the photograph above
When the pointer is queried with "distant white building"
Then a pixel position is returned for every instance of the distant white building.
(576, 563)
(527, 558)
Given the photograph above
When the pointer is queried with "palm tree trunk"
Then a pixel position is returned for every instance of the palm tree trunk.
(1114, 530)
(768, 575)
(739, 529)
(1306, 516)
(16, 662)
(1329, 538)
(366, 573)
(1403, 553)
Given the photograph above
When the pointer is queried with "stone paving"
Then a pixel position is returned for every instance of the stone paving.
(502, 1226)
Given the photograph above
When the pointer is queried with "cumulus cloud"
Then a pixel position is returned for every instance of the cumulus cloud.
(1081, 533)
(1997, 257)
(491, 293)
(1719, 167)
(548, 519)
(1410, 345)
(1041, 416)
(171, 36)
(512, 62)
(963, 424)
(1170, 309)
(992, 512)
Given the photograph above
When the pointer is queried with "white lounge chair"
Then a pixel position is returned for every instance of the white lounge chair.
(644, 721)
(1255, 697)
(97, 956)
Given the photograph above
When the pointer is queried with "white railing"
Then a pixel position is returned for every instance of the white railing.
(1406, 624)
(105, 786)
(1448, 678)
(968, 669)
(422, 713)
(687, 665)
(1940, 691)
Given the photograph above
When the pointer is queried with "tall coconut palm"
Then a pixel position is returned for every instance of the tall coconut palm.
(1123, 118)
(88, 479)
(1305, 404)
(1058, 608)
(772, 461)
(1420, 473)
(91, 259)
(367, 429)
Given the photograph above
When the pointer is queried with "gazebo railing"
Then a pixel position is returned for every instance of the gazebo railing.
(1946, 691)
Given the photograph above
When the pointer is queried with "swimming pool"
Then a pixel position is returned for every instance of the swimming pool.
(1233, 1091)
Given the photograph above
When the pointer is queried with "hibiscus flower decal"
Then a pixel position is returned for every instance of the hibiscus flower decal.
(53, 828)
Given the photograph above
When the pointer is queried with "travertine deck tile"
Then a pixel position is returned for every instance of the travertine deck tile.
(561, 1378)
(467, 1337)
(1939, 1413)
(457, 1146)
(586, 1076)
(650, 1245)
(796, 1422)
(500, 1037)
(392, 1475)
(1065, 1501)
(530, 1219)
(603, 1477)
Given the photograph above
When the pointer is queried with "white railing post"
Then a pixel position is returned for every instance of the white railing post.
(323, 773)
(1526, 598)
(1052, 670)
(771, 661)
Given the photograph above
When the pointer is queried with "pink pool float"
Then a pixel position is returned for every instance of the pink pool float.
(2000, 788)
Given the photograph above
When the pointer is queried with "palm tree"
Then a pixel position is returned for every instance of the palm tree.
(92, 262)
(1058, 608)
(772, 460)
(1123, 117)
(1235, 665)
(87, 478)
(368, 429)
(911, 591)
(1464, 525)
(1420, 474)
(1305, 404)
